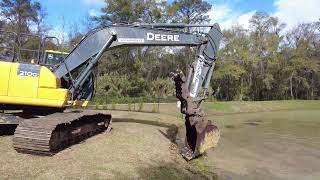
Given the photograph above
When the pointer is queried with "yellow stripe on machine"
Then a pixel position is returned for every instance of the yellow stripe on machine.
(78, 103)
(57, 52)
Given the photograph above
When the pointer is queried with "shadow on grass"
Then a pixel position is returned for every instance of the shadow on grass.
(255, 122)
(171, 132)
(252, 124)
(230, 126)
(172, 171)
(168, 171)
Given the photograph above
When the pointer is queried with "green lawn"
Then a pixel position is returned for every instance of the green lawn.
(269, 145)
(234, 107)
(303, 124)
(219, 107)
(259, 106)
(285, 119)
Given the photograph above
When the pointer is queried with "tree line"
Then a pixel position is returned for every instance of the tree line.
(266, 61)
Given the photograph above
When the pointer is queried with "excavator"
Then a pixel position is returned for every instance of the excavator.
(45, 90)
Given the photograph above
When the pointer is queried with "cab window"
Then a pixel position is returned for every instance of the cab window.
(54, 58)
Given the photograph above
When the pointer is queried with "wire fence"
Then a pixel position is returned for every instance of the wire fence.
(138, 104)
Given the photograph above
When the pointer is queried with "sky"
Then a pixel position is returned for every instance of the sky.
(226, 12)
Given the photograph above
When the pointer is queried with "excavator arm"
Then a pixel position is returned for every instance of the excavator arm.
(89, 50)
(125, 35)
(201, 134)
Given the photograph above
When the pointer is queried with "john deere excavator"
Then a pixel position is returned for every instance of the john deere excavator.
(45, 91)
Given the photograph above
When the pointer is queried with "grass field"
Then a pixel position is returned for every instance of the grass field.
(260, 140)
(217, 108)
(269, 145)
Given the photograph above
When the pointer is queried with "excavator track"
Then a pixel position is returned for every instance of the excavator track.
(53, 133)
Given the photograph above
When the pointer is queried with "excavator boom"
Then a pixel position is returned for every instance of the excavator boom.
(126, 35)
(89, 50)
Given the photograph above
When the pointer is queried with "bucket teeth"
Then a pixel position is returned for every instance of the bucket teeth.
(187, 153)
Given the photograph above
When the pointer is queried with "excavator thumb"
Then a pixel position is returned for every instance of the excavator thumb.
(201, 135)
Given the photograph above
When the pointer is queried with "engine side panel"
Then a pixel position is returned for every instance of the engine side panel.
(24, 80)
(30, 85)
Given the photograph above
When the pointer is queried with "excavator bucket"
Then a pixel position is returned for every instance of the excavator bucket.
(201, 134)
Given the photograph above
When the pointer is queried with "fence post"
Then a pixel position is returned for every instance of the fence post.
(158, 104)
